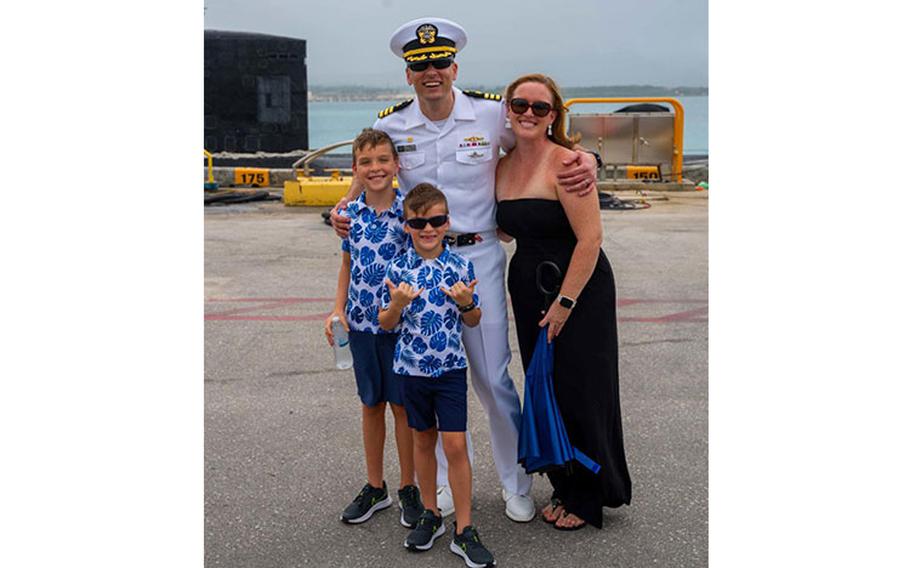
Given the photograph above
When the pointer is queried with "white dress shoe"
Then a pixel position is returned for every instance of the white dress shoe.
(519, 508)
(444, 501)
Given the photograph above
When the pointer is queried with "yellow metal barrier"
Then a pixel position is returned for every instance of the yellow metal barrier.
(315, 191)
(318, 191)
(210, 185)
(678, 118)
(311, 190)
(209, 156)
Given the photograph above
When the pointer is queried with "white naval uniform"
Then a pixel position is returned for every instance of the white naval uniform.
(460, 159)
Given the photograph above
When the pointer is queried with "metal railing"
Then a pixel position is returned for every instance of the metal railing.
(310, 156)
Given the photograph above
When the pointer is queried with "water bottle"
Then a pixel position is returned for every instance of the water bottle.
(343, 359)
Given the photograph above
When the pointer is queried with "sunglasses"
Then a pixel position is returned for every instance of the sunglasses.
(424, 65)
(539, 108)
(421, 222)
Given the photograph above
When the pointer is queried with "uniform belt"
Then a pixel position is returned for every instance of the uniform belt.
(462, 239)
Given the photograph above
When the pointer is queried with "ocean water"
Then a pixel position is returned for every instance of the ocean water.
(336, 121)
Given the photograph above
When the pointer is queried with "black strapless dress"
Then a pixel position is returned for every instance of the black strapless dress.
(585, 355)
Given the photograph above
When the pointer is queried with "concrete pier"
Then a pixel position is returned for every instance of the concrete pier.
(283, 453)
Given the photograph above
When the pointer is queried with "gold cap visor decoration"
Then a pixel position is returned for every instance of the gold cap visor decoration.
(428, 39)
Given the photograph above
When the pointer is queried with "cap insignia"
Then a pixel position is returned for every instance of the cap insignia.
(427, 33)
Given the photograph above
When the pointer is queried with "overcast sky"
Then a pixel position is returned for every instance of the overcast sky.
(577, 42)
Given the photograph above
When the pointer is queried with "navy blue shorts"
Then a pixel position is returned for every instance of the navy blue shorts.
(373, 354)
(441, 402)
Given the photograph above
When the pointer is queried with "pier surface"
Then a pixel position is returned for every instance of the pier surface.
(283, 451)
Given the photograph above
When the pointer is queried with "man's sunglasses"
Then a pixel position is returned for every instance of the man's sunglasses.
(539, 108)
(424, 65)
(421, 222)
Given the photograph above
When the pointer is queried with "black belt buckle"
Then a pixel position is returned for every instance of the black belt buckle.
(461, 240)
(465, 240)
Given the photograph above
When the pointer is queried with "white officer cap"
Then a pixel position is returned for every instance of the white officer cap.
(426, 39)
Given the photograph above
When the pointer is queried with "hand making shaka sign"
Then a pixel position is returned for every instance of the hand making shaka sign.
(401, 295)
(461, 293)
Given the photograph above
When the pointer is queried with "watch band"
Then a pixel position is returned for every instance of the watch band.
(468, 308)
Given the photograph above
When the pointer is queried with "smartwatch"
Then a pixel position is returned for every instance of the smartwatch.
(566, 302)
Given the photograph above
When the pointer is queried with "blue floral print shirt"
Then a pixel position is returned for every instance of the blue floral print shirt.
(374, 240)
(430, 327)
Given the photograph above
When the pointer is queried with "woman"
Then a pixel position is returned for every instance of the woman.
(551, 225)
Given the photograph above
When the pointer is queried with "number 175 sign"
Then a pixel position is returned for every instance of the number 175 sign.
(257, 177)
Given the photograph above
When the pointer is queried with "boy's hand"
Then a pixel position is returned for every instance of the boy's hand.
(402, 294)
(462, 293)
(341, 223)
(328, 326)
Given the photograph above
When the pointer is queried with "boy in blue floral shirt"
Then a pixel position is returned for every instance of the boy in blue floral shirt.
(376, 236)
(429, 292)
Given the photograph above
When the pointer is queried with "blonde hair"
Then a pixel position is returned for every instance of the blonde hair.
(559, 125)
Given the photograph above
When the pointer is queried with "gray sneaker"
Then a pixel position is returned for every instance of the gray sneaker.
(472, 551)
(410, 505)
(429, 528)
(367, 502)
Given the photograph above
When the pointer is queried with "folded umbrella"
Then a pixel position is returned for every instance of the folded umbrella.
(543, 443)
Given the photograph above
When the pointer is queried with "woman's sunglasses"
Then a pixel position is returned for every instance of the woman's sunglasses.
(539, 108)
(421, 222)
(424, 65)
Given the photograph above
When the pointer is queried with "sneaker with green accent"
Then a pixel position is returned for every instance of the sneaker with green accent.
(429, 528)
(472, 551)
(410, 505)
(368, 501)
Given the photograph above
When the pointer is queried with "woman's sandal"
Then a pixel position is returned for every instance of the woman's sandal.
(555, 503)
(581, 525)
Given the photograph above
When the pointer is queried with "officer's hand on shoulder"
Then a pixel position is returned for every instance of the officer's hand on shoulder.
(340, 223)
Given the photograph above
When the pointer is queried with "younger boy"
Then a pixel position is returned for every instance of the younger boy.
(376, 237)
(430, 291)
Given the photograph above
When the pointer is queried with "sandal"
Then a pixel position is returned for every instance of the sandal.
(555, 503)
(581, 525)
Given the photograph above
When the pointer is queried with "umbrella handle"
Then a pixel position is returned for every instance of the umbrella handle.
(584, 460)
(548, 295)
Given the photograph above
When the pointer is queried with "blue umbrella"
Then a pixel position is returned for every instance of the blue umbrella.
(543, 443)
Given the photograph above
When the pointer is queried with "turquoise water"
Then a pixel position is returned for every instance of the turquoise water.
(336, 121)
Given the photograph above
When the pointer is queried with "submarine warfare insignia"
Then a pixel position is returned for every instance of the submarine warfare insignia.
(476, 141)
(389, 110)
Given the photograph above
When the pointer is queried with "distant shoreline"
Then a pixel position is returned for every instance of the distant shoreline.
(358, 93)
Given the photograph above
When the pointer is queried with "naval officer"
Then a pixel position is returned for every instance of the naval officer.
(451, 139)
